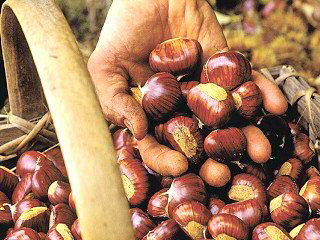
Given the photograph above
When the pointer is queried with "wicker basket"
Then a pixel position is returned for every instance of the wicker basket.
(45, 70)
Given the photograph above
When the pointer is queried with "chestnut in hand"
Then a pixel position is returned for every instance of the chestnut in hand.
(161, 96)
(227, 69)
(178, 56)
(212, 104)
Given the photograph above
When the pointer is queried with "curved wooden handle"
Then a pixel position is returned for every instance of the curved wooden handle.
(82, 131)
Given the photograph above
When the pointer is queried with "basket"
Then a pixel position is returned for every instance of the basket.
(40, 52)
(45, 71)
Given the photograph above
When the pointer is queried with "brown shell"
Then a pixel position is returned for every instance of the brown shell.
(23, 233)
(23, 188)
(269, 231)
(61, 193)
(215, 205)
(8, 181)
(215, 107)
(186, 87)
(62, 213)
(229, 225)
(141, 222)
(55, 155)
(184, 136)
(294, 168)
(161, 96)
(178, 56)
(226, 145)
(27, 162)
(282, 184)
(158, 203)
(301, 148)
(311, 230)
(75, 230)
(167, 230)
(227, 69)
(24, 205)
(311, 192)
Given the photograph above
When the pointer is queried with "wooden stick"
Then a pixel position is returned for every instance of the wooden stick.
(86, 143)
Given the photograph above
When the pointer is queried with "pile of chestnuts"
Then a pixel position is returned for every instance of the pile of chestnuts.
(222, 160)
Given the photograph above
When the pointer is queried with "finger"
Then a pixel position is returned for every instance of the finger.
(274, 100)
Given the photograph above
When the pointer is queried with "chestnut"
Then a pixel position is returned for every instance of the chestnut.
(212, 104)
(23, 188)
(311, 192)
(301, 148)
(185, 88)
(62, 213)
(158, 204)
(248, 99)
(192, 217)
(141, 223)
(226, 145)
(312, 172)
(282, 184)
(159, 134)
(256, 169)
(215, 174)
(75, 230)
(166, 181)
(23, 234)
(55, 155)
(184, 136)
(178, 56)
(295, 127)
(246, 186)
(166, 230)
(27, 162)
(42, 178)
(227, 69)
(277, 131)
(295, 231)
(24, 205)
(310, 230)
(161, 96)
(5, 214)
(249, 211)
(289, 210)
(59, 232)
(270, 231)
(36, 218)
(42, 235)
(8, 181)
(187, 187)
(135, 180)
(58, 192)
(294, 168)
(227, 226)
(215, 205)
(127, 151)
(123, 137)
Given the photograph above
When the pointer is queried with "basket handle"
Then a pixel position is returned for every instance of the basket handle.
(38, 44)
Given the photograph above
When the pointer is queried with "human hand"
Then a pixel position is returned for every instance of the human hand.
(131, 31)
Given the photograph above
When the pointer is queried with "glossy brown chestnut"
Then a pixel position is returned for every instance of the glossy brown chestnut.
(301, 148)
(123, 137)
(212, 104)
(227, 226)
(227, 69)
(255, 169)
(310, 230)
(185, 88)
(178, 56)
(187, 187)
(311, 192)
(27, 162)
(192, 217)
(294, 168)
(270, 231)
(246, 186)
(24, 205)
(215, 205)
(226, 145)
(161, 96)
(5, 214)
(289, 210)
(55, 155)
(61, 213)
(75, 230)
(141, 223)
(158, 204)
(282, 184)
(36, 218)
(59, 232)
(135, 180)
(249, 211)
(42, 178)
(167, 230)
(184, 136)
(23, 234)
(58, 192)
(23, 188)
(166, 181)
(8, 181)
(248, 99)
(42, 235)
(127, 151)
